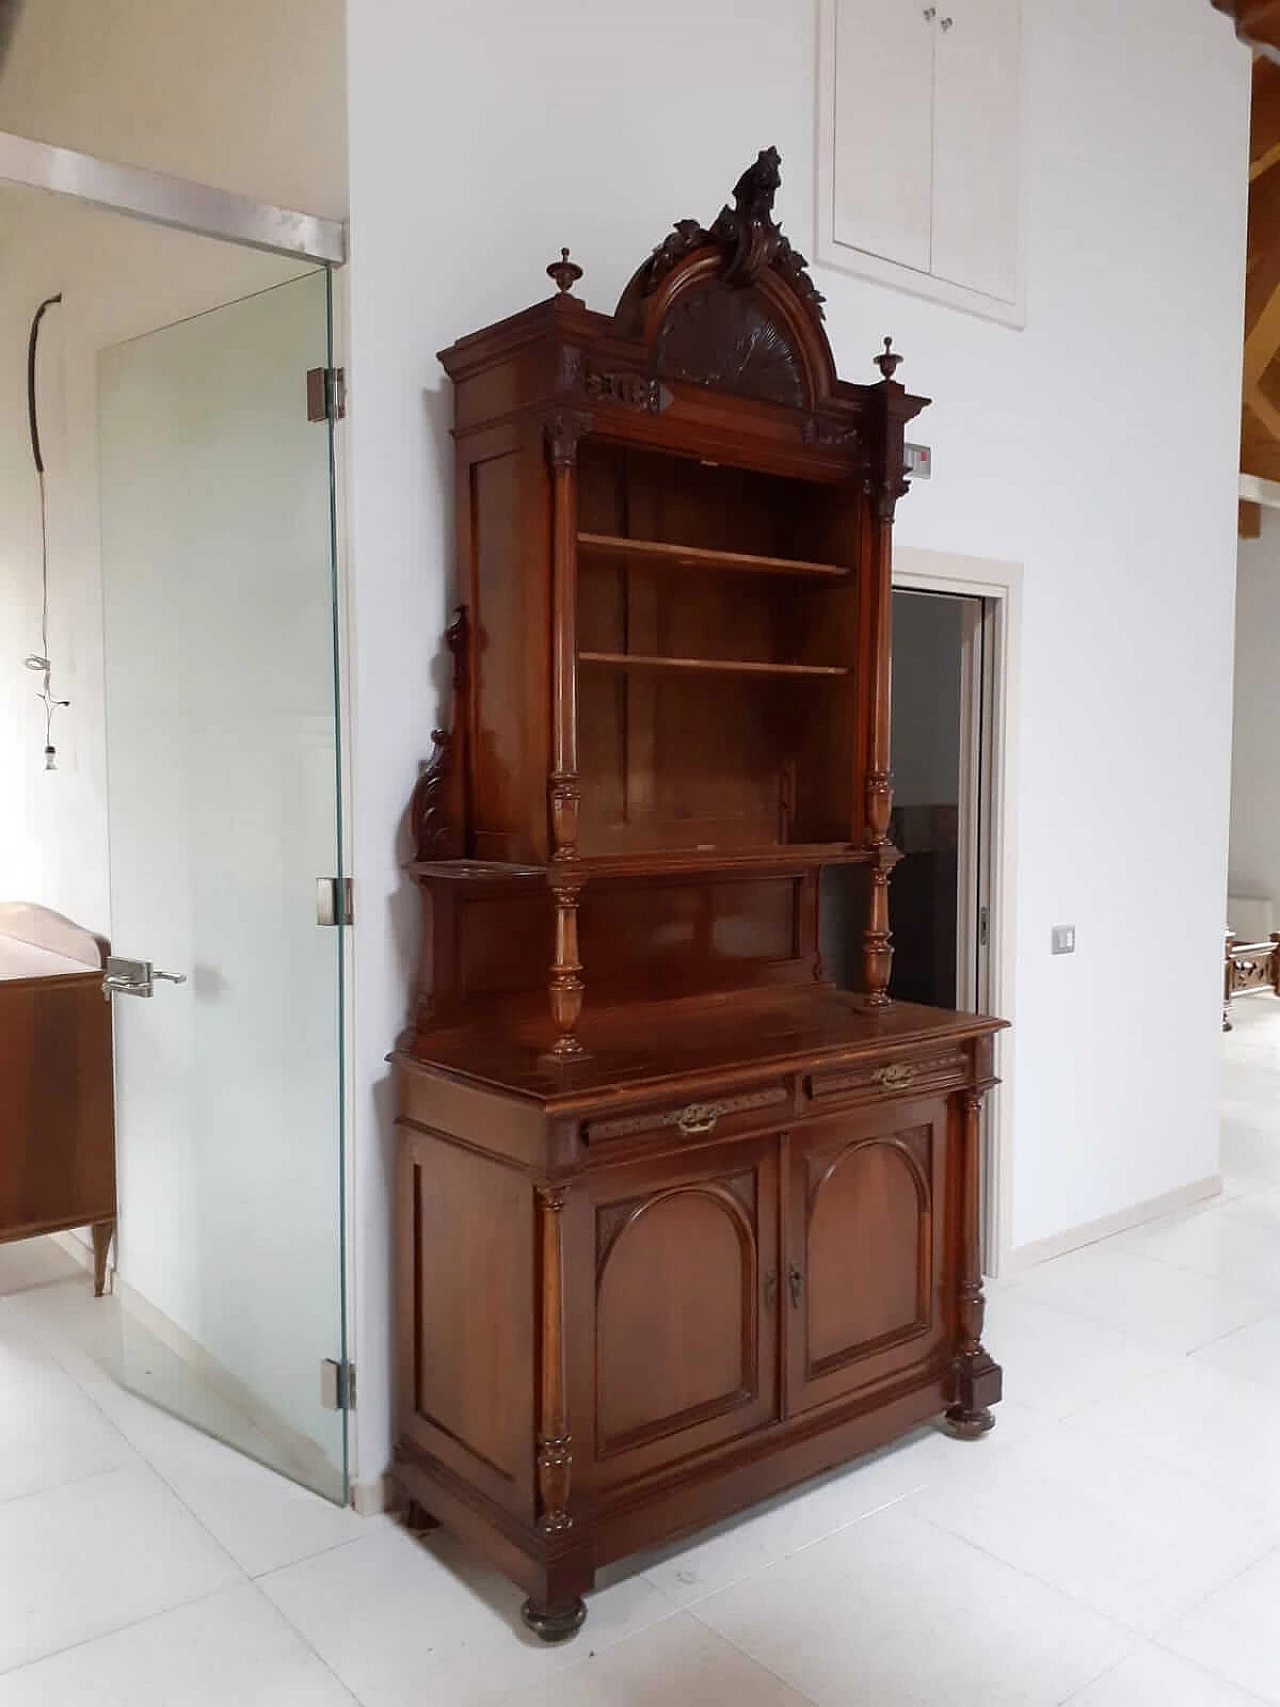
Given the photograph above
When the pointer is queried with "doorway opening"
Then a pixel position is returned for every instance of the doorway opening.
(940, 730)
(195, 801)
(953, 756)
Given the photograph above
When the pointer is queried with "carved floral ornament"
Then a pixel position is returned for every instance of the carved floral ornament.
(748, 233)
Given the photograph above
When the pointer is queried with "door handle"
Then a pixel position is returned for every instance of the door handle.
(771, 1289)
(134, 977)
(795, 1281)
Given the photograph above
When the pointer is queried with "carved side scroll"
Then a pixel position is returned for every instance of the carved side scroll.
(438, 809)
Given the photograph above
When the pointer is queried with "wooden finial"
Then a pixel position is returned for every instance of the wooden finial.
(565, 272)
(888, 363)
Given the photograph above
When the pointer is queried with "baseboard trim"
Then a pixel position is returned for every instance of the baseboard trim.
(371, 1499)
(1089, 1232)
(303, 1457)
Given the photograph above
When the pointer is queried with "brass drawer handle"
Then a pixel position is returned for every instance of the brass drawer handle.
(894, 1077)
(698, 1117)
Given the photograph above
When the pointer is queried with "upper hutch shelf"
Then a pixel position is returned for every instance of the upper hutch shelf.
(674, 530)
(660, 554)
(726, 666)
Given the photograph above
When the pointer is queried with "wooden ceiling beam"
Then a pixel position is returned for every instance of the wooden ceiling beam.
(1262, 281)
(1264, 122)
(1262, 340)
(1259, 404)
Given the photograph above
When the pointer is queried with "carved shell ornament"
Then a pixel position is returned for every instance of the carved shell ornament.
(724, 332)
(717, 335)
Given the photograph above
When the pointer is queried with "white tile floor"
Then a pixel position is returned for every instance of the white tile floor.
(1115, 1542)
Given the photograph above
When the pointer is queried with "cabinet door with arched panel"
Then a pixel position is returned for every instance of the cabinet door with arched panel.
(865, 1253)
(678, 1352)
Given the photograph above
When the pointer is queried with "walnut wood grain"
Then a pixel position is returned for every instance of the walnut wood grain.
(662, 554)
(57, 1118)
(679, 1224)
(725, 666)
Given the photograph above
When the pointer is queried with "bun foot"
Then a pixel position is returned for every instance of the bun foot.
(418, 1520)
(554, 1623)
(969, 1425)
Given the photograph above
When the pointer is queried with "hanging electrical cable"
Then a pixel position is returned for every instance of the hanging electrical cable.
(40, 661)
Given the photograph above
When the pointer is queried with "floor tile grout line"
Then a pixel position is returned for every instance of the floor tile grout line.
(767, 1669)
(118, 1629)
(69, 1482)
(794, 1552)
(1245, 1693)
(1068, 1594)
(145, 1458)
(1229, 1496)
(307, 1643)
(1097, 1677)
(260, 1577)
(1079, 1315)
(1241, 1290)
(1235, 1577)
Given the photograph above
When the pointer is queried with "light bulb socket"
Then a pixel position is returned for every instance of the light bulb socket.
(51, 758)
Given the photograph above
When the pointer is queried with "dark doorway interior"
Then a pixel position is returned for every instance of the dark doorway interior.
(930, 823)
(925, 744)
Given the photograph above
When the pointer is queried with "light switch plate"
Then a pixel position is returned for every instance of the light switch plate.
(1064, 939)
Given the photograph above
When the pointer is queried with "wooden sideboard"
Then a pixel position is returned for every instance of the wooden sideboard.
(679, 1223)
(57, 1117)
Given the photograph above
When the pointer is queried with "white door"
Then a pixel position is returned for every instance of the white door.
(883, 146)
(223, 800)
(975, 146)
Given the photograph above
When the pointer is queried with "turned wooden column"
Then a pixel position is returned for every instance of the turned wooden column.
(977, 1379)
(883, 485)
(555, 1457)
(563, 430)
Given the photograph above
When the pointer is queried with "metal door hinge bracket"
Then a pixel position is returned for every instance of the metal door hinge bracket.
(333, 901)
(326, 393)
(984, 926)
(337, 1385)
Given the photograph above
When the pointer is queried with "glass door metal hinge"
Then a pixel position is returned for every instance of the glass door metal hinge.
(326, 393)
(337, 1385)
(984, 926)
(333, 901)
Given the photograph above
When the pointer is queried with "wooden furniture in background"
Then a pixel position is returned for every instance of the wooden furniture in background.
(1249, 966)
(679, 1224)
(57, 1112)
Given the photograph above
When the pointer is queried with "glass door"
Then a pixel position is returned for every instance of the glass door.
(224, 810)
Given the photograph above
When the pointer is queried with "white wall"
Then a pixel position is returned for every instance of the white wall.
(241, 95)
(245, 94)
(117, 279)
(1098, 447)
(1255, 797)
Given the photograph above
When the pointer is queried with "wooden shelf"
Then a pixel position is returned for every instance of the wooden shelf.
(649, 862)
(724, 666)
(658, 554)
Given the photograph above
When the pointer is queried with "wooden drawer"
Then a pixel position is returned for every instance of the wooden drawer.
(724, 1113)
(898, 1072)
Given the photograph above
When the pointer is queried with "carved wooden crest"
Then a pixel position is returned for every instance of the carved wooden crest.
(437, 810)
(747, 232)
(731, 305)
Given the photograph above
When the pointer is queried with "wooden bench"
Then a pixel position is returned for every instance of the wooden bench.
(1249, 966)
